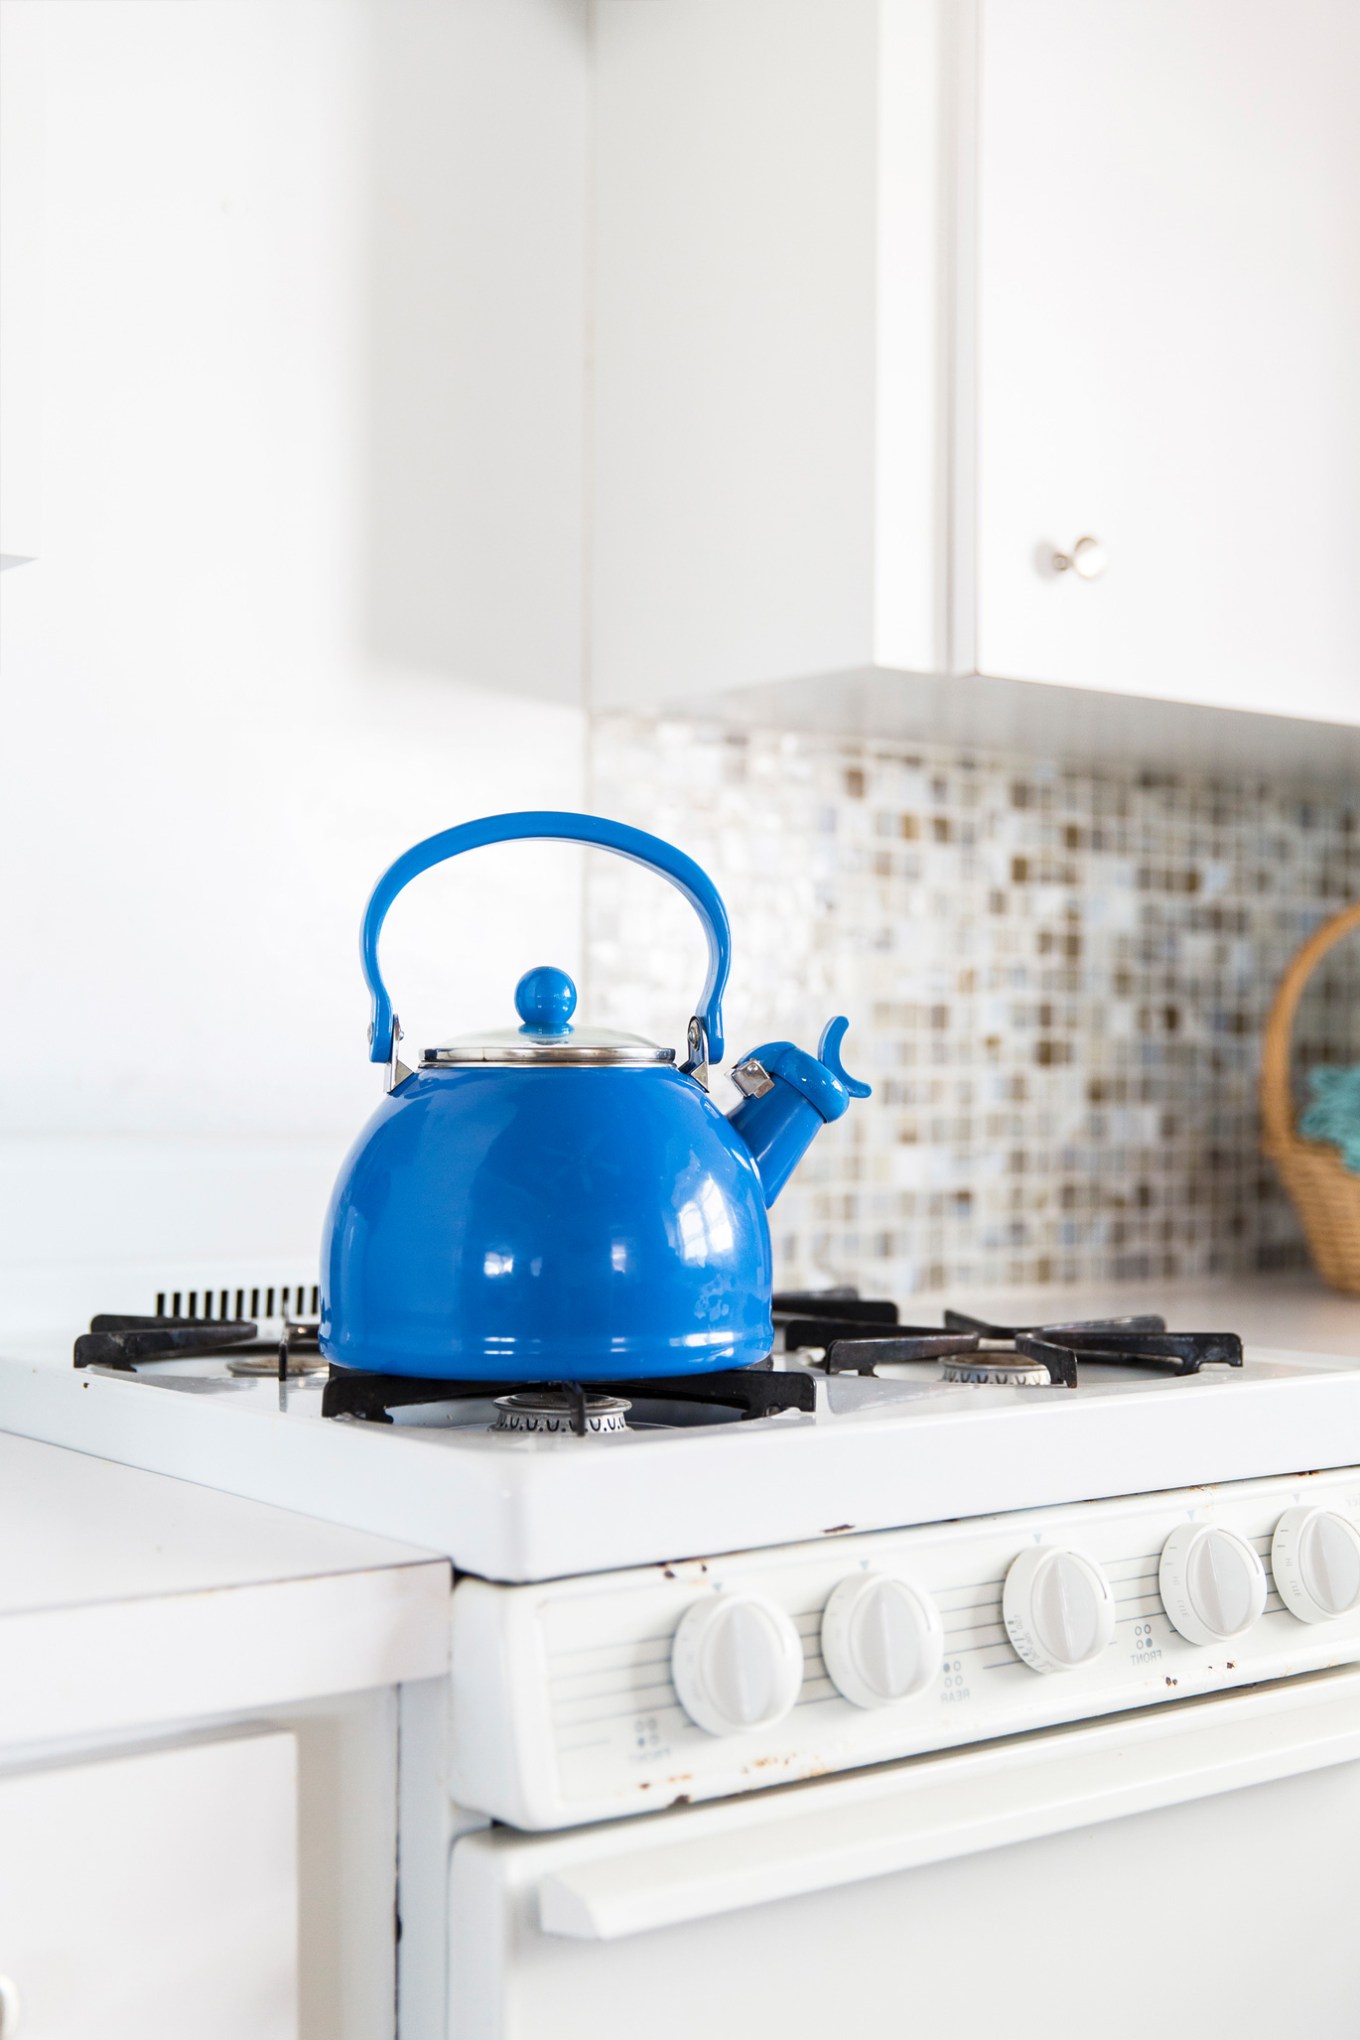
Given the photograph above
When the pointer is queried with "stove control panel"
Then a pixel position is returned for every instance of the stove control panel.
(582, 1699)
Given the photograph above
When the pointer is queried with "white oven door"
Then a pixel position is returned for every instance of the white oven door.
(1188, 1869)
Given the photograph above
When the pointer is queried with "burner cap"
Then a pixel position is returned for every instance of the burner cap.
(547, 1409)
(268, 1363)
(1004, 1370)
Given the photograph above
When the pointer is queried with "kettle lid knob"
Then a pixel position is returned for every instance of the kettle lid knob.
(545, 999)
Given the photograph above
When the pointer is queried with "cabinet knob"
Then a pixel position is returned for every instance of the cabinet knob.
(9, 2008)
(1088, 559)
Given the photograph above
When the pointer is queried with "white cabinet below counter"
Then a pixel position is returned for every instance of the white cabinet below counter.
(209, 1709)
(152, 1894)
(898, 301)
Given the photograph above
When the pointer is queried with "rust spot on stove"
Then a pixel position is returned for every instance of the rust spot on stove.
(1173, 1682)
(683, 1799)
(811, 1767)
(1232, 1664)
(838, 1529)
(668, 1572)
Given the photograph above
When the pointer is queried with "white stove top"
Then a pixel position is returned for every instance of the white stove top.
(874, 1453)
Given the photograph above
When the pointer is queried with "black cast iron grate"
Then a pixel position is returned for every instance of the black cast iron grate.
(858, 1336)
(753, 1391)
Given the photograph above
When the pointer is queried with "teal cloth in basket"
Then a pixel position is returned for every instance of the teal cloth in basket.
(1334, 1114)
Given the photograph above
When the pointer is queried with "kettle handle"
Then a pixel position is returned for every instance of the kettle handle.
(535, 825)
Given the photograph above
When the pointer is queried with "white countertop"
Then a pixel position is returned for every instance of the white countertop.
(130, 1598)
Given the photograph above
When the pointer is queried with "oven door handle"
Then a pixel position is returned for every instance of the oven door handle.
(721, 1858)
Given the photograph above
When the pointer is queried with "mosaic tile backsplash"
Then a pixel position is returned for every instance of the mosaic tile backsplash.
(1056, 976)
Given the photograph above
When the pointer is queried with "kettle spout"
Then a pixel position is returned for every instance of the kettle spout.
(787, 1098)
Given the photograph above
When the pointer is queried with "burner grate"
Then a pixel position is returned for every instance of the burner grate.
(121, 1341)
(852, 1352)
(753, 1391)
(289, 1300)
(833, 1303)
(856, 1337)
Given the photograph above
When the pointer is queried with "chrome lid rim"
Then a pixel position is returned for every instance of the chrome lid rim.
(552, 1055)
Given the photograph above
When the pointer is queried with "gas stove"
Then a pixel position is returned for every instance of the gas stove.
(858, 1421)
(964, 1586)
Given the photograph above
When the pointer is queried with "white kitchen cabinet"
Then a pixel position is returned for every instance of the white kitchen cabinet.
(896, 300)
(21, 178)
(472, 162)
(1168, 326)
(153, 1896)
(767, 475)
(200, 1700)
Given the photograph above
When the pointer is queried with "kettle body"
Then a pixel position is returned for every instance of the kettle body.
(588, 1224)
(547, 1204)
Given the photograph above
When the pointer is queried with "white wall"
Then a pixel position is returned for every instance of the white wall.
(299, 404)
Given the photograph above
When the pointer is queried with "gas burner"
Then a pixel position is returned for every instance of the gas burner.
(858, 1336)
(997, 1370)
(552, 1411)
(266, 1361)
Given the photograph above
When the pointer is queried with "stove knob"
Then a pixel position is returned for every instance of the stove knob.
(882, 1641)
(1315, 1557)
(1213, 1584)
(1058, 1608)
(737, 1662)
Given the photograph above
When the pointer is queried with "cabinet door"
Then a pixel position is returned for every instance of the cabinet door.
(1168, 333)
(765, 453)
(153, 1897)
(21, 143)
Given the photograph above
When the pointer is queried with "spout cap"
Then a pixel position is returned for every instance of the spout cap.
(822, 1078)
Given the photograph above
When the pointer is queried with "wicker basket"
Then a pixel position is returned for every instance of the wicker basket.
(1325, 1193)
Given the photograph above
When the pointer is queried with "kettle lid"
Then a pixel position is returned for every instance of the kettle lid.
(545, 999)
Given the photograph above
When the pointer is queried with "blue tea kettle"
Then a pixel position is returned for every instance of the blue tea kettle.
(549, 1203)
